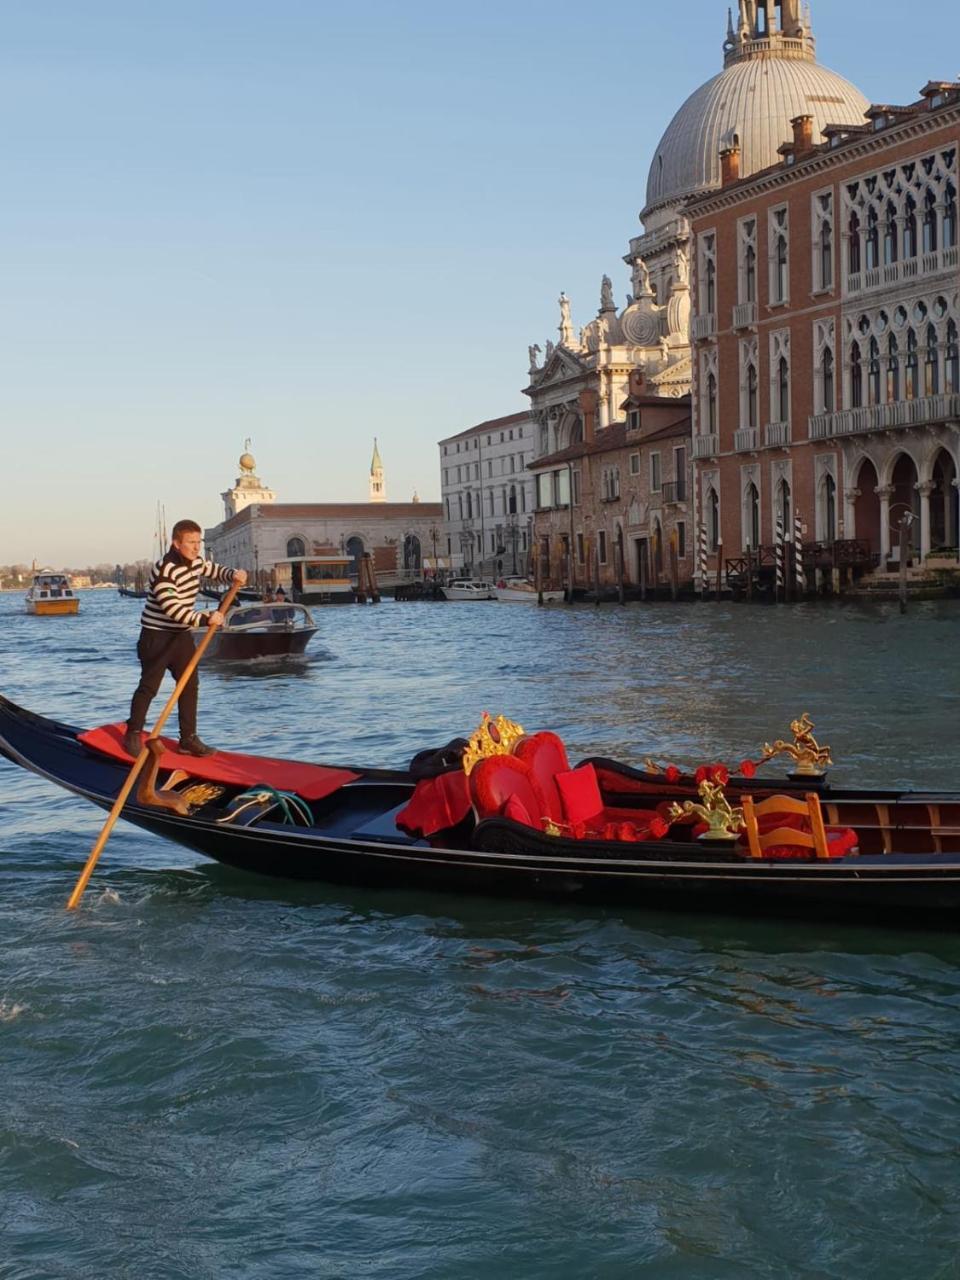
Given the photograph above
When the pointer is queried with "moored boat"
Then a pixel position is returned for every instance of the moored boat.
(468, 589)
(523, 591)
(457, 821)
(262, 630)
(51, 595)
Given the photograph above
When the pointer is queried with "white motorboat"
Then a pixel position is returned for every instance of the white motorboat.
(523, 591)
(468, 589)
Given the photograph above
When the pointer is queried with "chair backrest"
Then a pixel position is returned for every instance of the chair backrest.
(546, 756)
(809, 808)
(494, 780)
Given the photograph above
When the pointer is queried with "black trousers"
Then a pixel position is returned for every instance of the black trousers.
(161, 651)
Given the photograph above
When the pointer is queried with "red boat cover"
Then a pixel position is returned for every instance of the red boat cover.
(436, 805)
(310, 781)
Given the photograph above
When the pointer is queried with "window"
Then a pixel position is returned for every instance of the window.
(912, 381)
(910, 229)
(562, 479)
(779, 256)
(512, 506)
(749, 410)
(747, 260)
(823, 240)
(708, 273)
(712, 404)
(890, 237)
(830, 509)
(544, 490)
(751, 512)
(853, 251)
(634, 419)
(602, 546)
(713, 519)
(634, 464)
(780, 376)
(873, 240)
(751, 396)
(826, 373)
(296, 547)
(952, 368)
(950, 217)
(580, 549)
(930, 223)
(932, 365)
(576, 488)
(681, 540)
(893, 370)
(656, 484)
(680, 472)
(783, 506)
(856, 377)
(873, 376)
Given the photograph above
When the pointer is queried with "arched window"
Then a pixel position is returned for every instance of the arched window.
(952, 366)
(893, 370)
(751, 509)
(354, 550)
(783, 389)
(713, 519)
(751, 396)
(750, 274)
(830, 509)
(912, 382)
(782, 282)
(873, 376)
(711, 286)
(712, 404)
(296, 547)
(890, 235)
(826, 366)
(873, 240)
(783, 506)
(910, 229)
(826, 256)
(854, 242)
(950, 217)
(856, 377)
(931, 371)
(929, 223)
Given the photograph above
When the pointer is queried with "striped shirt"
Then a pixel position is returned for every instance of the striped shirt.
(172, 597)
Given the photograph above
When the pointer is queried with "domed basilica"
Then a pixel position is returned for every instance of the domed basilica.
(770, 75)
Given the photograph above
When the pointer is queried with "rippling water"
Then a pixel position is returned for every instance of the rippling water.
(209, 1075)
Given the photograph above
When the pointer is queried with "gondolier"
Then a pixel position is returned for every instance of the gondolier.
(165, 643)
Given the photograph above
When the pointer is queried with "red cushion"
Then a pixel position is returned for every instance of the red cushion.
(579, 794)
(840, 842)
(546, 756)
(494, 781)
(517, 811)
(436, 805)
(311, 781)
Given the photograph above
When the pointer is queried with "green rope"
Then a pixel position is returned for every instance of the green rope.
(290, 805)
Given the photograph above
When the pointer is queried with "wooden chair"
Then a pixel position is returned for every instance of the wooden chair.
(815, 839)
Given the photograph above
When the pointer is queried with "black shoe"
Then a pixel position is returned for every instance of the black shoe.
(133, 742)
(193, 746)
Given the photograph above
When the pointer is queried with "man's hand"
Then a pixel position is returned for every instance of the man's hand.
(240, 575)
(215, 619)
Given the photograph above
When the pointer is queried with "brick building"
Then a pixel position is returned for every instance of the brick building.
(826, 366)
(613, 506)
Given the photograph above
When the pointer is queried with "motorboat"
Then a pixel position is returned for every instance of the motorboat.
(51, 595)
(261, 631)
(495, 814)
(523, 591)
(468, 589)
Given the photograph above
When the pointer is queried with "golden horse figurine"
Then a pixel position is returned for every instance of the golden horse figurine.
(811, 760)
(723, 821)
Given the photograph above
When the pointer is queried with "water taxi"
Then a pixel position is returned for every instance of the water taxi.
(468, 589)
(523, 591)
(51, 595)
(264, 630)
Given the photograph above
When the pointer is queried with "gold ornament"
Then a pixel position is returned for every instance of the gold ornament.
(809, 757)
(723, 822)
(492, 738)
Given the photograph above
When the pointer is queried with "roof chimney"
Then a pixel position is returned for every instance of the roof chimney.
(802, 134)
(730, 165)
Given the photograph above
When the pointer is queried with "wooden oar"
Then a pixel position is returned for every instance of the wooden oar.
(144, 755)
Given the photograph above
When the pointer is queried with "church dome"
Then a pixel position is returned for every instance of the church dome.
(771, 75)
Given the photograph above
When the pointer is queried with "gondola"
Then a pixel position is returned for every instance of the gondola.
(339, 824)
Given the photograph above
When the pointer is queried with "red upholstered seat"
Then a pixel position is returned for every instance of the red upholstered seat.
(546, 756)
(495, 780)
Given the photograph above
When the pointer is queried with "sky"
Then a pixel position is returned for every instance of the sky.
(310, 224)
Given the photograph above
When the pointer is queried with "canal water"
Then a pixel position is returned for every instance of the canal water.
(208, 1075)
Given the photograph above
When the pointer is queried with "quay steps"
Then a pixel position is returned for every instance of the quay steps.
(922, 584)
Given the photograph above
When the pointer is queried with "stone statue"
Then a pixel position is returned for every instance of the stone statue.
(664, 350)
(566, 324)
(641, 277)
(683, 268)
(548, 354)
(534, 353)
(606, 295)
(630, 299)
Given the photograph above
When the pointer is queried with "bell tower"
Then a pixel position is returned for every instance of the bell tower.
(248, 489)
(378, 488)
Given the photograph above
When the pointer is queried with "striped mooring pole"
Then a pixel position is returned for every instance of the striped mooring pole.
(704, 572)
(780, 555)
(798, 554)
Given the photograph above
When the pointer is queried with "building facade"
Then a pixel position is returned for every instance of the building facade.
(256, 535)
(827, 384)
(613, 508)
(487, 496)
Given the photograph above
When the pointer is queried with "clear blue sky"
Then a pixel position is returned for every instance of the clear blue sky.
(313, 223)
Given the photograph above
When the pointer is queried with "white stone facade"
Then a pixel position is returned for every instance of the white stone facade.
(487, 496)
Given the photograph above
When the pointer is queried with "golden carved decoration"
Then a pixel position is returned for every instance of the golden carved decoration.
(723, 822)
(650, 766)
(492, 738)
(811, 760)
